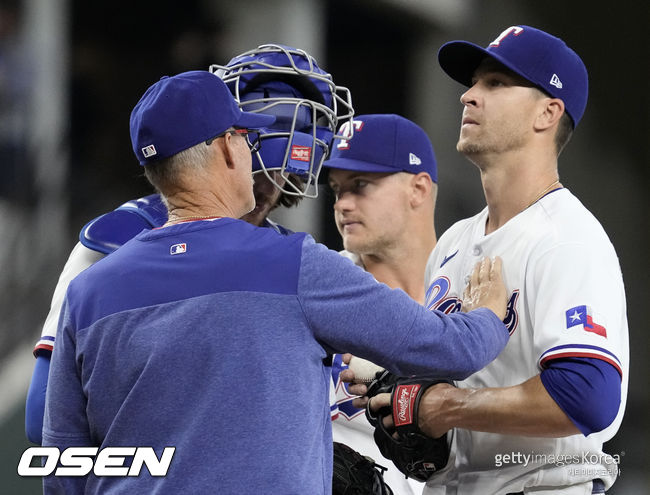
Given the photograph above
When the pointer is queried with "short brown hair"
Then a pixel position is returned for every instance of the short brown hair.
(290, 200)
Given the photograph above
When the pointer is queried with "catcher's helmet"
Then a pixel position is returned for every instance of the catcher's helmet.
(287, 82)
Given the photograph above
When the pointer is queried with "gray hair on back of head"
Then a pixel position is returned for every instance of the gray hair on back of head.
(168, 174)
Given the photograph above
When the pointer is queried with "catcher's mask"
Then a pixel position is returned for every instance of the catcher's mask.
(286, 82)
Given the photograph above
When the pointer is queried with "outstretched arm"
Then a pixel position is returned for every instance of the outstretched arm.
(525, 409)
(349, 311)
(568, 397)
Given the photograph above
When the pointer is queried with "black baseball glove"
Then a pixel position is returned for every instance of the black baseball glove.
(355, 474)
(413, 453)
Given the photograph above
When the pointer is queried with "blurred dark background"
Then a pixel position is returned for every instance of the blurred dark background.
(71, 71)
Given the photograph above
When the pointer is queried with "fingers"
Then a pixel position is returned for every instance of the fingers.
(486, 288)
(346, 358)
(496, 269)
(471, 292)
(347, 375)
(360, 402)
(474, 278)
(389, 424)
(358, 389)
(379, 401)
(376, 402)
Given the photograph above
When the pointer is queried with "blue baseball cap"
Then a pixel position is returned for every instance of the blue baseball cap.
(542, 59)
(383, 143)
(180, 111)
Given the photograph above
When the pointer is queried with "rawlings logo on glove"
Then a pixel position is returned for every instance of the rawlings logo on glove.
(413, 453)
(406, 395)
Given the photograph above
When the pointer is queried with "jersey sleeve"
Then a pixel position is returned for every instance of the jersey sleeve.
(80, 258)
(349, 311)
(65, 423)
(587, 390)
(579, 305)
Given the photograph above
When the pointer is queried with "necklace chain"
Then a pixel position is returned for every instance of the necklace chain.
(541, 195)
(193, 217)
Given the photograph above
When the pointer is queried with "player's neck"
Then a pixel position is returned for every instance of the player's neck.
(403, 267)
(184, 205)
(509, 190)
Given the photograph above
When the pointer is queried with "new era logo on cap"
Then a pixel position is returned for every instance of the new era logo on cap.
(414, 159)
(555, 81)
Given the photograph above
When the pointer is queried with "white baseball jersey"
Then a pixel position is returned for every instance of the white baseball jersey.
(80, 258)
(566, 299)
(353, 429)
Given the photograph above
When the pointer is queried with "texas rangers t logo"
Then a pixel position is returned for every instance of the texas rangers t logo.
(347, 131)
(514, 30)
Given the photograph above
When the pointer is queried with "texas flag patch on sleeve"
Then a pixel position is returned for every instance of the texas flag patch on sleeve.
(582, 315)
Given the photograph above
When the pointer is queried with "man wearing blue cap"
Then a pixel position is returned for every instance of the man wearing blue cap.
(203, 335)
(385, 182)
(275, 79)
(535, 419)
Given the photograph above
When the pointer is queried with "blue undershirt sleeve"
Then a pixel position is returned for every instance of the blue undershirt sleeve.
(35, 403)
(588, 390)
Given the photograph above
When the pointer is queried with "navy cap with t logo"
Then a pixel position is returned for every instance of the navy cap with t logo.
(542, 59)
(384, 143)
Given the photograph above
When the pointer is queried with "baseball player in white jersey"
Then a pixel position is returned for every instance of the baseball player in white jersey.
(385, 183)
(535, 419)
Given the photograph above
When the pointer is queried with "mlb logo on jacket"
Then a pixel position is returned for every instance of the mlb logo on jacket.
(178, 248)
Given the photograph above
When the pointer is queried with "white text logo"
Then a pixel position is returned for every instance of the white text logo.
(80, 461)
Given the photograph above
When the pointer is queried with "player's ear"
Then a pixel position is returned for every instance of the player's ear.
(551, 110)
(421, 186)
(229, 149)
